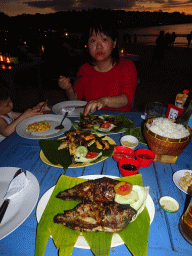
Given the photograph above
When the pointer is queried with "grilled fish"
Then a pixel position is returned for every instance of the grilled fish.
(97, 216)
(99, 190)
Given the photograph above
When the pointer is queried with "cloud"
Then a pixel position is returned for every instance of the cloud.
(65, 5)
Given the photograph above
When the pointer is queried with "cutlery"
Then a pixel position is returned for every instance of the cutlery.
(5, 204)
(184, 118)
(43, 105)
(59, 127)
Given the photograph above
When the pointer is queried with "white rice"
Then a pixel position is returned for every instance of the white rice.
(166, 128)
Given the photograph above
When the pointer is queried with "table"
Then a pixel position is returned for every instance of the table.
(164, 236)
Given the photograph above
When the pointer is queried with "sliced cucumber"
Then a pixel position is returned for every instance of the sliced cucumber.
(96, 126)
(81, 151)
(84, 159)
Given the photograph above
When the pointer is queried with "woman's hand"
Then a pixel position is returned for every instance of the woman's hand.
(64, 83)
(93, 105)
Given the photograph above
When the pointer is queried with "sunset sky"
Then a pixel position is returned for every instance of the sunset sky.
(18, 7)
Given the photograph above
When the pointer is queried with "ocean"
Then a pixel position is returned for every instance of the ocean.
(148, 35)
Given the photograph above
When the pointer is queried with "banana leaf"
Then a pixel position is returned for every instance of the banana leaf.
(63, 158)
(126, 124)
(134, 235)
(136, 132)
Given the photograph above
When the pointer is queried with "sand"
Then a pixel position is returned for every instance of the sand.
(161, 83)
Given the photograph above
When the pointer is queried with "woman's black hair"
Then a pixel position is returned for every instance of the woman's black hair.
(4, 92)
(99, 23)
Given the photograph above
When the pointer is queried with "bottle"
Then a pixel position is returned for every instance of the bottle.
(185, 225)
(181, 99)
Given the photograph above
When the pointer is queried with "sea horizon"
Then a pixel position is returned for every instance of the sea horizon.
(148, 35)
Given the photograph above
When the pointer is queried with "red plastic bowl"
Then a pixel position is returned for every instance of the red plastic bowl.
(145, 157)
(131, 161)
(121, 152)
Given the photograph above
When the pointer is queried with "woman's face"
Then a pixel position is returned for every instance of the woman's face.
(100, 46)
(6, 106)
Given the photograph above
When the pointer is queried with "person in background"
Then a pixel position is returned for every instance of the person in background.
(106, 81)
(189, 37)
(9, 119)
(161, 45)
(172, 39)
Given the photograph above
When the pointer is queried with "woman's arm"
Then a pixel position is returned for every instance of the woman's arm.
(119, 101)
(65, 84)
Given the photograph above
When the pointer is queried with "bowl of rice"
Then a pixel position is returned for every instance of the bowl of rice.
(164, 137)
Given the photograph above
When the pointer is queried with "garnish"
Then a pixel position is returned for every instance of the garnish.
(123, 188)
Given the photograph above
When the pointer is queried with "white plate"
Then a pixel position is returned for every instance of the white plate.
(57, 108)
(53, 120)
(81, 242)
(176, 177)
(22, 205)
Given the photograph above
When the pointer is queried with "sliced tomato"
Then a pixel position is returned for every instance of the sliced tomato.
(105, 125)
(91, 155)
(123, 188)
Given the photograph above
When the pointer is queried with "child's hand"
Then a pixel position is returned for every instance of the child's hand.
(31, 112)
(64, 83)
(42, 106)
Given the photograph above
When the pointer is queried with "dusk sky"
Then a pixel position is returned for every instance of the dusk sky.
(18, 7)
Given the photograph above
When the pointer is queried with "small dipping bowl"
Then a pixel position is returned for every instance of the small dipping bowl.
(145, 157)
(169, 204)
(128, 161)
(121, 152)
(68, 109)
(129, 141)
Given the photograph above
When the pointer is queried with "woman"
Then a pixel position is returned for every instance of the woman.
(106, 81)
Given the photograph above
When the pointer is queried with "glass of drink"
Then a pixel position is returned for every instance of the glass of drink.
(185, 225)
(154, 109)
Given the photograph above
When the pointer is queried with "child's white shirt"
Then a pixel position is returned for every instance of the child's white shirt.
(9, 120)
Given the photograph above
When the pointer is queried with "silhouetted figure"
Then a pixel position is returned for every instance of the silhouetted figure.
(168, 38)
(161, 45)
(173, 36)
(189, 37)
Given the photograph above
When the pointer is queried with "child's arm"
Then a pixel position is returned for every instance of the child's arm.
(7, 129)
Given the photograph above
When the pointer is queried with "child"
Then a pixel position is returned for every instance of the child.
(105, 80)
(9, 119)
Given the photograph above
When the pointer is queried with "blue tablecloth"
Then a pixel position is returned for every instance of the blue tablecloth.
(164, 235)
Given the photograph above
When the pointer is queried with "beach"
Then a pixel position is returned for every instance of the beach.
(161, 83)
(156, 83)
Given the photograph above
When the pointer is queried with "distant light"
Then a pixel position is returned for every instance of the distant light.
(66, 34)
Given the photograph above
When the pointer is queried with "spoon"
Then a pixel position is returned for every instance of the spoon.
(59, 127)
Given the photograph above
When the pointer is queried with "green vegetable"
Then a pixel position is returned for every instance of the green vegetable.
(81, 151)
(96, 126)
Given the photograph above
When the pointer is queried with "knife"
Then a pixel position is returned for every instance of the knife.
(5, 204)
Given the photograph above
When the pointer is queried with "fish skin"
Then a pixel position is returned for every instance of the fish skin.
(97, 217)
(99, 190)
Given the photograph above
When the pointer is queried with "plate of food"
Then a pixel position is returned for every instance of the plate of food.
(42, 126)
(103, 124)
(77, 148)
(74, 107)
(22, 205)
(96, 201)
(183, 180)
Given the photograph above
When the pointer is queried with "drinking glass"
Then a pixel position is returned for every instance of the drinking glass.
(185, 224)
(154, 109)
